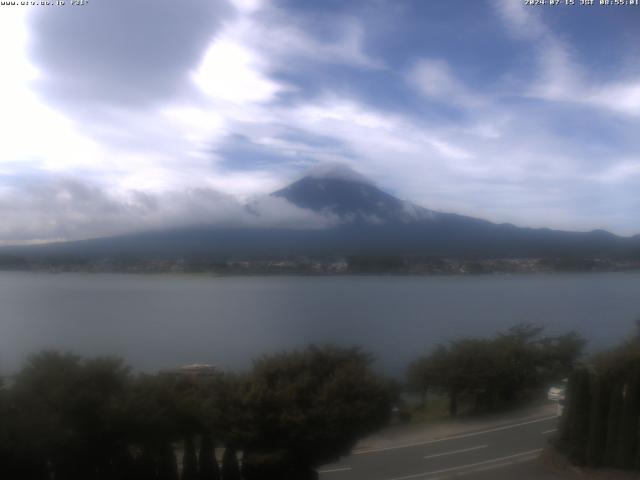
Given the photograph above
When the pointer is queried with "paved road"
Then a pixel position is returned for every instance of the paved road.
(500, 452)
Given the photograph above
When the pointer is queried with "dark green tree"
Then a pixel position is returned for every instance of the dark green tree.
(566, 420)
(310, 407)
(230, 467)
(560, 354)
(17, 457)
(145, 466)
(189, 460)
(430, 373)
(601, 397)
(628, 432)
(69, 411)
(613, 423)
(274, 465)
(520, 358)
(580, 404)
(481, 371)
(208, 465)
(167, 465)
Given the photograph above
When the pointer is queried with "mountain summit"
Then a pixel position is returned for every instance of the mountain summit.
(338, 190)
(337, 171)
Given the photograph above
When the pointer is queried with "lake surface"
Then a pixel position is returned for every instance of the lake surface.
(160, 321)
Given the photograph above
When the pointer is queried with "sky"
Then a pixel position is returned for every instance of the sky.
(122, 115)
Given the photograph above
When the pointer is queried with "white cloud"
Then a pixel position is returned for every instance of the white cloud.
(626, 170)
(249, 6)
(288, 40)
(61, 208)
(621, 97)
(522, 21)
(496, 158)
(435, 80)
(171, 143)
(231, 72)
(560, 77)
(285, 40)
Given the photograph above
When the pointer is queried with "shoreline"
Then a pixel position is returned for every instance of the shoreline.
(212, 274)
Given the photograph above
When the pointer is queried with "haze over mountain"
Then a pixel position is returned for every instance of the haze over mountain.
(359, 218)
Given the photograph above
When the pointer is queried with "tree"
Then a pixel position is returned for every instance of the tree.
(463, 368)
(144, 466)
(474, 370)
(579, 404)
(560, 354)
(520, 359)
(310, 407)
(274, 465)
(17, 459)
(167, 465)
(613, 423)
(68, 413)
(189, 460)
(230, 467)
(483, 370)
(428, 372)
(598, 421)
(208, 465)
(628, 433)
(159, 412)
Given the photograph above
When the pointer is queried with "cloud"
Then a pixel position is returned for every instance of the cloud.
(232, 72)
(122, 52)
(621, 97)
(559, 75)
(622, 171)
(287, 39)
(44, 208)
(245, 95)
(434, 79)
(130, 110)
(521, 22)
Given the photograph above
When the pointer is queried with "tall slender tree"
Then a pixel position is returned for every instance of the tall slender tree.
(167, 465)
(230, 467)
(628, 434)
(613, 424)
(579, 427)
(598, 421)
(208, 465)
(189, 460)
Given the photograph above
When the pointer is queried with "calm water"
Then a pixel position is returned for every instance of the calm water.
(163, 321)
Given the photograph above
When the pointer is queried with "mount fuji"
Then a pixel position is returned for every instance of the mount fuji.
(362, 218)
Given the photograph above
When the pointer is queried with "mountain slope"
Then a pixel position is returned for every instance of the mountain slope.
(351, 201)
(369, 221)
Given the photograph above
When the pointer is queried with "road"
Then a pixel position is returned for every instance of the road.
(503, 451)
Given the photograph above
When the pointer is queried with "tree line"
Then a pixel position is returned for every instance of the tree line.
(484, 373)
(63, 417)
(601, 424)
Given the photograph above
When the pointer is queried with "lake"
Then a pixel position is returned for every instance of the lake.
(163, 321)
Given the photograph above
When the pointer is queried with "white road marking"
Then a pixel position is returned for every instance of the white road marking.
(454, 437)
(550, 431)
(453, 452)
(470, 465)
(495, 466)
(334, 470)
